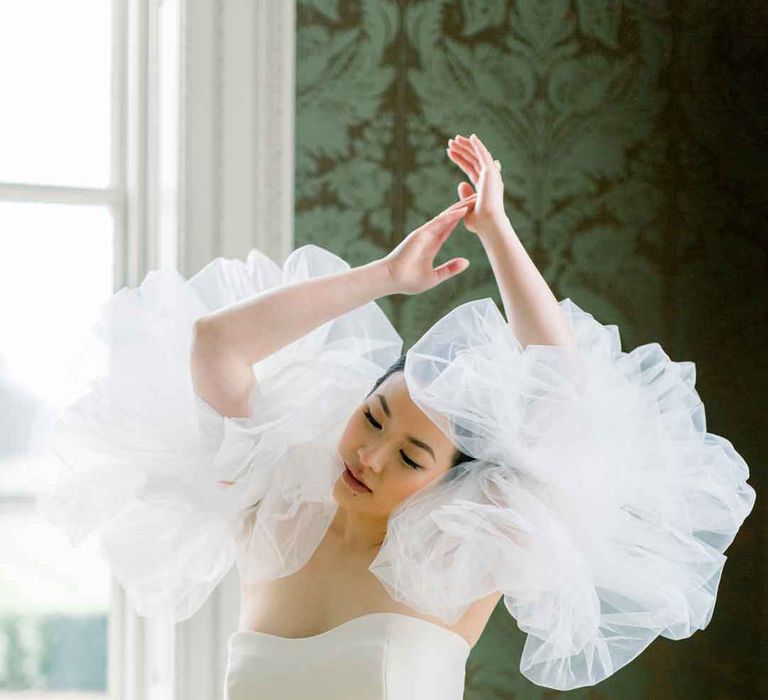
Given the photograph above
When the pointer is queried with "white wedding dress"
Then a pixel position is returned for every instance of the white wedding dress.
(596, 501)
(379, 656)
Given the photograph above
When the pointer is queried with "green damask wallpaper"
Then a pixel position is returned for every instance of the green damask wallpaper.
(633, 141)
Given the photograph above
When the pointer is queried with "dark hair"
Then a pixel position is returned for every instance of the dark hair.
(399, 366)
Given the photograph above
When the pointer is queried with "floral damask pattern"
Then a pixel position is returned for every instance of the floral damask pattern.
(631, 134)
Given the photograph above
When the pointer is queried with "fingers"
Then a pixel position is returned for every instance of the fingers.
(447, 217)
(457, 209)
(471, 155)
(467, 149)
(446, 220)
(465, 190)
(482, 152)
(444, 228)
(451, 216)
(464, 148)
(450, 268)
(468, 166)
(464, 200)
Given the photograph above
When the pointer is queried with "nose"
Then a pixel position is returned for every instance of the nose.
(371, 458)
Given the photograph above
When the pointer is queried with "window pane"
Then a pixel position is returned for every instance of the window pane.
(54, 610)
(56, 269)
(55, 82)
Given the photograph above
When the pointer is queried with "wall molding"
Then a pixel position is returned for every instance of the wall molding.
(238, 106)
(235, 193)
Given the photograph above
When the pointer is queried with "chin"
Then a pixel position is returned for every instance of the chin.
(340, 492)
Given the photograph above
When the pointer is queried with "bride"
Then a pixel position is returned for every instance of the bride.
(378, 505)
(391, 448)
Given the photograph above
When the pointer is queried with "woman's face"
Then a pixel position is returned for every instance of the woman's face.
(376, 446)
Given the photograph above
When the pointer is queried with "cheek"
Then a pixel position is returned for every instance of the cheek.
(403, 486)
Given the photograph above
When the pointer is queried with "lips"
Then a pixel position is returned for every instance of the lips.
(354, 476)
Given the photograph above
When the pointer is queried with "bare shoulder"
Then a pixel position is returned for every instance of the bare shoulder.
(473, 621)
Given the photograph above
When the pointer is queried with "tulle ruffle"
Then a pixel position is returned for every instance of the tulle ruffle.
(142, 460)
(597, 503)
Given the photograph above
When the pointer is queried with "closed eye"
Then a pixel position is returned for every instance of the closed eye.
(405, 457)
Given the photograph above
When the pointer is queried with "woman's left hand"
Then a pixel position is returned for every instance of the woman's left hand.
(471, 155)
(410, 263)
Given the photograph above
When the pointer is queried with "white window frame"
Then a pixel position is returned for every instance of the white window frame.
(127, 265)
(235, 192)
(236, 171)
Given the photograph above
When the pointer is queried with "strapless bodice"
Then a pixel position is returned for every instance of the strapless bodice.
(378, 656)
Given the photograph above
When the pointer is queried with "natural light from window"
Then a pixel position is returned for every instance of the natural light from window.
(56, 269)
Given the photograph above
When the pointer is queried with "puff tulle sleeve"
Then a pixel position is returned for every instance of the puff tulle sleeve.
(142, 461)
(596, 502)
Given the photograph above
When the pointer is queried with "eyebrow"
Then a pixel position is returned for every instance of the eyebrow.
(414, 440)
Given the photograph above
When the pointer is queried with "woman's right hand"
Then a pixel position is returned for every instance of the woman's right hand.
(409, 265)
(471, 155)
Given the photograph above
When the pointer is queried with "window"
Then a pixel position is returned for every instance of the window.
(60, 195)
(134, 134)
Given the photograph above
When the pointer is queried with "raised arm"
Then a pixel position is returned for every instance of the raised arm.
(257, 327)
(532, 311)
(229, 341)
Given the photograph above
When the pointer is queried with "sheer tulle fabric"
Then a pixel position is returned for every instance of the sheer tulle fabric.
(142, 459)
(596, 502)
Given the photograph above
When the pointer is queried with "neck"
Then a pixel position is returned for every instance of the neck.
(358, 533)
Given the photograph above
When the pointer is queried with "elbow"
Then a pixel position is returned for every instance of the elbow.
(202, 331)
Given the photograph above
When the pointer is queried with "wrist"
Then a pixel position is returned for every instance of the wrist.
(378, 276)
(500, 226)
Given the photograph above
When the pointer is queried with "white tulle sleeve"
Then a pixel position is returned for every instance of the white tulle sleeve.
(597, 502)
(144, 463)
